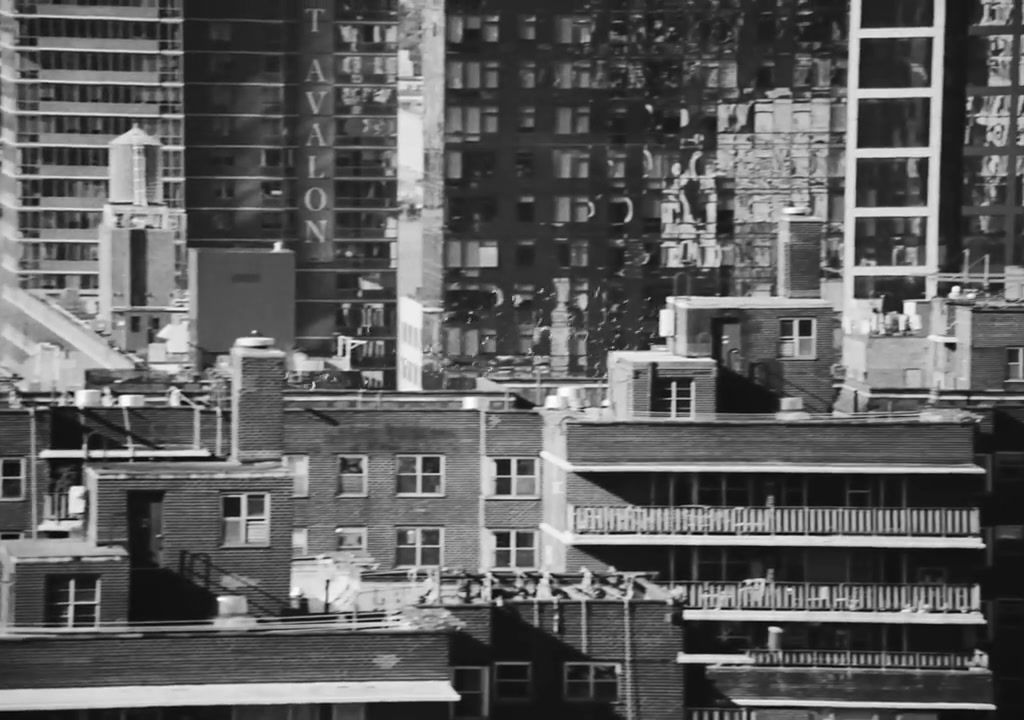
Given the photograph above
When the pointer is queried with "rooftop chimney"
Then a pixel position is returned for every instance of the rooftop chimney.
(799, 258)
(257, 399)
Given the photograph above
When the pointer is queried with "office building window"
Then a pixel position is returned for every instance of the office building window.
(514, 549)
(298, 466)
(418, 547)
(351, 540)
(1015, 363)
(420, 475)
(352, 474)
(72, 600)
(12, 479)
(584, 681)
(471, 685)
(246, 519)
(513, 681)
(797, 338)
(515, 476)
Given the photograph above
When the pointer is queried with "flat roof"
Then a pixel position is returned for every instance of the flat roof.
(46, 548)
(255, 693)
(661, 356)
(744, 302)
(186, 470)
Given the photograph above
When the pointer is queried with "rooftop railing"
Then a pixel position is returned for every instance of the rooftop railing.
(706, 520)
(883, 659)
(764, 595)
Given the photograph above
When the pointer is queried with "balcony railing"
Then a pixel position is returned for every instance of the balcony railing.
(870, 659)
(759, 594)
(60, 506)
(703, 520)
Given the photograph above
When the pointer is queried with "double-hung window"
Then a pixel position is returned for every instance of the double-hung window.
(298, 466)
(797, 338)
(514, 477)
(471, 685)
(72, 600)
(585, 681)
(246, 519)
(1015, 363)
(420, 475)
(418, 547)
(351, 540)
(12, 479)
(352, 474)
(513, 681)
(514, 549)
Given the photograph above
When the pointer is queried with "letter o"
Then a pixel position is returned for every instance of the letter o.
(315, 199)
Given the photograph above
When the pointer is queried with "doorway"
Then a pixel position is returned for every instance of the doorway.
(145, 529)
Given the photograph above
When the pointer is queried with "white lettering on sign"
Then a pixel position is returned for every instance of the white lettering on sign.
(314, 18)
(316, 134)
(315, 199)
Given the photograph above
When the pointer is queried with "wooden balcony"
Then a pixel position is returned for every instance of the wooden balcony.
(849, 602)
(689, 525)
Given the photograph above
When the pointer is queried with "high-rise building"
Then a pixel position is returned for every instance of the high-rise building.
(75, 75)
(630, 152)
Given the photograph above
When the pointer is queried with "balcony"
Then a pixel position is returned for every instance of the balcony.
(776, 526)
(64, 511)
(883, 659)
(760, 600)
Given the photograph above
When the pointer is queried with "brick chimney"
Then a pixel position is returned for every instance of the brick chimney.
(257, 399)
(799, 257)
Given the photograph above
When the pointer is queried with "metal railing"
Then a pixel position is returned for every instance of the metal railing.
(57, 507)
(705, 520)
(348, 622)
(870, 659)
(759, 594)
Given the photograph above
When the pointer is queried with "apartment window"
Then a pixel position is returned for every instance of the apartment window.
(471, 253)
(573, 29)
(527, 27)
(572, 208)
(298, 466)
(797, 338)
(524, 164)
(418, 547)
(246, 519)
(514, 549)
(351, 539)
(672, 397)
(272, 189)
(12, 479)
(571, 163)
(527, 118)
(526, 208)
(570, 75)
(1015, 363)
(420, 475)
(528, 74)
(72, 600)
(471, 685)
(525, 253)
(300, 542)
(352, 474)
(579, 253)
(513, 681)
(515, 476)
(591, 681)
(572, 120)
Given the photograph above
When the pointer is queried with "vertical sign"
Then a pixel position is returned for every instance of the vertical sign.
(315, 137)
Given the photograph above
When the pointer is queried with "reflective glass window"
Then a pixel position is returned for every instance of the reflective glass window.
(987, 120)
(889, 241)
(891, 290)
(895, 62)
(986, 236)
(989, 60)
(987, 13)
(893, 122)
(985, 179)
(896, 13)
(892, 182)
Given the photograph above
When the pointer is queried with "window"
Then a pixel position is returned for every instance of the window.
(513, 681)
(571, 163)
(525, 253)
(514, 549)
(515, 477)
(418, 547)
(72, 600)
(471, 253)
(573, 29)
(246, 519)
(420, 475)
(471, 685)
(572, 208)
(525, 208)
(10, 535)
(579, 253)
(527, 27)
(672, 397)
(298, 466)
(12, 479)
(352, 475)
(572, 120)
(351, 539)
(528, 74)
(300, 542)
(527, 118)
(591, 681)
(797, 338)
(1014, 363)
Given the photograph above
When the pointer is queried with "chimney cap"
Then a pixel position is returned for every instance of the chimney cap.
(255, 339)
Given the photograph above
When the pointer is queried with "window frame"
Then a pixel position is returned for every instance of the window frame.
(513, 477)
(795, 337)
(513, 548)
(419, 545)
(51, 609)
(591, 666)
(302, 532)
(244, 518)
(300, 487)
(497, 681)
(5, 479)
(680, 399)
(484, 694)
(1018, 374)
(365, 460)
(419, 457)
(352, 529)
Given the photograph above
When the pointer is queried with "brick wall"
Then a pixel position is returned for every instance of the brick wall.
(548, 635)
(192, 522)
(993, 331)
(772, 441)
(257, 403)
(223, 657)
(16, 442)
(29, 587)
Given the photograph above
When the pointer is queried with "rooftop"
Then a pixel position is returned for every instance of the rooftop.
(744, 303)
(188, 470)
(58, 548)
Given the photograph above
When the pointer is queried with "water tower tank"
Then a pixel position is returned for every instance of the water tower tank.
(135, 172)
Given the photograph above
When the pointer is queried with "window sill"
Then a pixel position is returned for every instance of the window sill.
(245, 546)
(420, 495)
(13, 499)
(352, 495)
(512, 497)
(804, 359)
